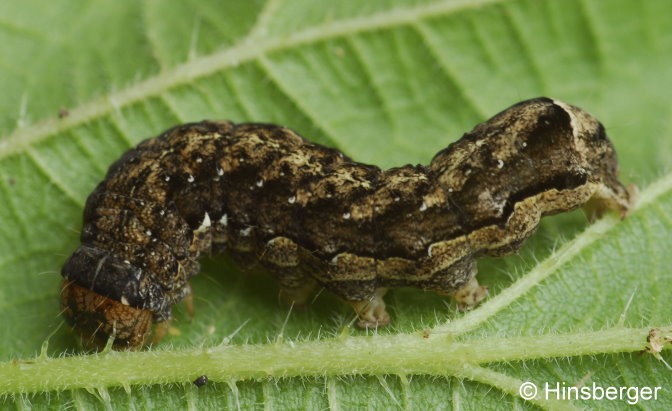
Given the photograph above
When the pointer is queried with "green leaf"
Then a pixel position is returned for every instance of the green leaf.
(389, 82)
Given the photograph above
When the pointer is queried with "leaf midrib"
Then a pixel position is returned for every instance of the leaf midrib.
(402, 355)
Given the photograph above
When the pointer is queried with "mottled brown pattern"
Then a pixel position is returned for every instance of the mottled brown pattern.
(313, 216)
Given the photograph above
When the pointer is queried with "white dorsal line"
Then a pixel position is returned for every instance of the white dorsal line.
(574, 122)
(231, 57)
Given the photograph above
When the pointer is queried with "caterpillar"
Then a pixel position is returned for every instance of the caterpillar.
(313, 217)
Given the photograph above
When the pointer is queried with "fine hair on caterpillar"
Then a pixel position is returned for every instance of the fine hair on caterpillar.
(313, 217)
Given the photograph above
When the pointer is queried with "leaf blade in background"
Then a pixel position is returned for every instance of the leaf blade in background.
(389, 82)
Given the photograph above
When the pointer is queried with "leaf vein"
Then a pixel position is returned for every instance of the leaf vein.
(198, 67)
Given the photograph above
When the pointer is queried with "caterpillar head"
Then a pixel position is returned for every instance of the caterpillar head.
(96, 318)
(103, 298)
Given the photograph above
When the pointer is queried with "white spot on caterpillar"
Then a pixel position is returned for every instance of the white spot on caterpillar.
(450, 190)
(124, 300)
(220, 172)
(245, 232)
(199, 160)
(167, 178)
(127, 262)
(335, 259)
(242, 160)
(396, 199)
(149, 233)
(260, 183)
(206, 222)
(423, 207)
(524, 144)
(346, 216)
(500, 163)
(190, 178)
(291, 199)
(162, 212)
(224, 220)
(429, 250)
(467, 172)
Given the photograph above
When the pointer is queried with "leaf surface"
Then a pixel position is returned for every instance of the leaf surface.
(390, 83)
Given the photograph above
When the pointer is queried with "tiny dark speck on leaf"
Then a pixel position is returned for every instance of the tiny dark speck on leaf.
(63, 112)
(201, 381)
